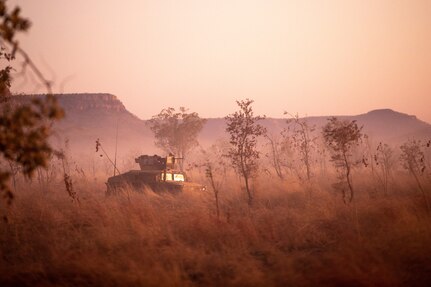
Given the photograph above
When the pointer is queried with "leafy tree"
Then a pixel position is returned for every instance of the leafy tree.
(244, 131)
(24, 127)
(176, 132)
(341, 137)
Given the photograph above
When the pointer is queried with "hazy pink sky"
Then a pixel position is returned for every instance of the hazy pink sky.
(311, 57)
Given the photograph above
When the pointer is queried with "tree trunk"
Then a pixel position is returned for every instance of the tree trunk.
(217, 204)
(215, 190)
(13, 172)
(247, 188)
(349, 183)
(307, 165)
(306, 152)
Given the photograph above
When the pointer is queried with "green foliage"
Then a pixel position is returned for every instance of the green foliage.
(24, 128)
(176, 132)
(5, 78)
(340, 137)
(11, 23)
(24, 133)
(244, 130)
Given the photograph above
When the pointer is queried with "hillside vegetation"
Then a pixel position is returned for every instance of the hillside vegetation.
(92, 116)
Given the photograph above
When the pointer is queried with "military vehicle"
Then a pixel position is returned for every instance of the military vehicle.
(157, 173)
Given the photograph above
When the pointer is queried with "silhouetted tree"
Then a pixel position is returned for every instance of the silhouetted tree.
(215, 166)
(244, 131)
(176, 132)
(303, 140)
(276, 154)
(413, 160)
(340, 137)
(24, 127)
(384, 161)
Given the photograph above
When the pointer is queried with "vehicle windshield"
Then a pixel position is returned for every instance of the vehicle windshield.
(172, 176)
(178, 177)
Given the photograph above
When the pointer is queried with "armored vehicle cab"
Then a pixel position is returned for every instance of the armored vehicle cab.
(156, 173)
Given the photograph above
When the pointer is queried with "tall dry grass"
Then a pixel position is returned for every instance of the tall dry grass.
(285, 239)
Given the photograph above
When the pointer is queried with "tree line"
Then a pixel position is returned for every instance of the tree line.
(344, 141)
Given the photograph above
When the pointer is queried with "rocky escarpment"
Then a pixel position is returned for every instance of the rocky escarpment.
(81, 102)
(87, 102)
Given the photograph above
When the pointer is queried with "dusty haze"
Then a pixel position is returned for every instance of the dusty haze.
(326, 207)
(311, 57)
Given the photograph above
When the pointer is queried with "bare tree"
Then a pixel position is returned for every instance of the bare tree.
(340, 137)
(215, 166)
(244, 131)
(385, 161)
(322, 158)
(413, 160)
(108, 160)
(176, 132)
(380, 160)
(303, 140)
(67, 177)
(276, 154)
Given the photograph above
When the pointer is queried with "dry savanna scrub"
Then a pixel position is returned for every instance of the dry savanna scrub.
(286, 238)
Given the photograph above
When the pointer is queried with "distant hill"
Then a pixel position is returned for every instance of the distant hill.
(96, 116)
(380, 125)
(92, 116)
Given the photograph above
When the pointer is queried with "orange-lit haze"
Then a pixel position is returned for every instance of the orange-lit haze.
(311, 57)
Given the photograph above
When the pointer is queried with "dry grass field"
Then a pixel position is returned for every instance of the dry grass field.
(285, 239)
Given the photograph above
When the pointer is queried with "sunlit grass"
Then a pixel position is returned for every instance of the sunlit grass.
(285, 239)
